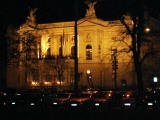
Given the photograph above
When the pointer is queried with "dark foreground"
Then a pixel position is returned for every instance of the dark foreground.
(112, 115)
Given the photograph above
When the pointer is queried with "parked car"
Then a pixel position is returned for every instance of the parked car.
(60, 101)
(128, 101)
(15, 102)
(33, 102)
(80, 101)
(152, 100)
(101, 101)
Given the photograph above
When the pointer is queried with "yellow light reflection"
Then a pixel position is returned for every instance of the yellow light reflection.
(44, 45)
(58, 82)
(47, 83)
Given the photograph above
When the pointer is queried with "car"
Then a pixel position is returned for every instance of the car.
(80, 101)
(152, 100)
(3, 101)
(15, 102)
(101, 101)
(128, 101)
(33, 102)
(116, 99)
(60, 101)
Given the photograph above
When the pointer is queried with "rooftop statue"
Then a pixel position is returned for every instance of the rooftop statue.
(91, 10)
(31, 19)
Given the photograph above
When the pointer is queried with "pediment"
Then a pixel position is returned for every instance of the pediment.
(92, 22)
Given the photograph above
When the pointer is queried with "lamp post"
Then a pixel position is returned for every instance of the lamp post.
(155, 81)
(76, 48)
(114, 67)
(89, 79)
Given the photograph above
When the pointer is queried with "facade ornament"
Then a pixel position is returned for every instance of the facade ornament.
(91, 10)
(88, 37)
(31, 19)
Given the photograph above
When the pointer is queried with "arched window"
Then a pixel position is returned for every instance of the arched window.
(88, 52)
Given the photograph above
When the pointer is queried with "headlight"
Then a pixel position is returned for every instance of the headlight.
(150, 104)
(32, 104)
(96, 104)
(127, 104)
(18, 94)
(55, 103)
(74, 105)
(4, 94)
(13, 103)
(4, 103)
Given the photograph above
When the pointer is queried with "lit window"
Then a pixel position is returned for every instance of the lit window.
(88, 52)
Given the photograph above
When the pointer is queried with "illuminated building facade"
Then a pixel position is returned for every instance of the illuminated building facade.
(97, 42)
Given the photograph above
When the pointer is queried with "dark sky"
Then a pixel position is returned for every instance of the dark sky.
(14, 12)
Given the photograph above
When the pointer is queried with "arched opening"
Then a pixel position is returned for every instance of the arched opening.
(88, 52)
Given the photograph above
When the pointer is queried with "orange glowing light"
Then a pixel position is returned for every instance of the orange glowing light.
(88, 71)
(128, 95)
(47, 83)
(147, 29)
(109, 94)
(34, 83)
(58, 83)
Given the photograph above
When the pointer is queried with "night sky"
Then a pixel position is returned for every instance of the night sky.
(14, 12)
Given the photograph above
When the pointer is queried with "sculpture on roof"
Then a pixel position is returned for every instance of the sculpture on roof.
(31, 19)
(90, 10)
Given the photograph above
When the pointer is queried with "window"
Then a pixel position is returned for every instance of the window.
(88, 52)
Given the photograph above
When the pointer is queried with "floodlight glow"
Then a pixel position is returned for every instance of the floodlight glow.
(73, 105)
(35, 83)
(47, 83)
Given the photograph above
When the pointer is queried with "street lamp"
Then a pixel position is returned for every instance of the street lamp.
(147, 29)
(155, 79)
(89, 79)
(88, 71)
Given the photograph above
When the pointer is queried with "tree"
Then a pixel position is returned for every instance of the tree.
(58, 64)
(138, 39)
(22, 50)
